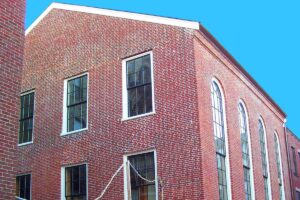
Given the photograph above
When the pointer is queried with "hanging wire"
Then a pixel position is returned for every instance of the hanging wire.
(112, 178)
(116, 173)
(150, 181)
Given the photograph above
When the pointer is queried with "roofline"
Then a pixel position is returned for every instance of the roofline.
(159, 20)
(218, 45)
(293, 134)
(114, 13)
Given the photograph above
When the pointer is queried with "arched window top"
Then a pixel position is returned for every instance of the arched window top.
(218, 112)
(279, 166)
(277, 137)
(217, 96)
(221, 142)
(246, 152)
(261, 129)
(264, 156)
(243, 118)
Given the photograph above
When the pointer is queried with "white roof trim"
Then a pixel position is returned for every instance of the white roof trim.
(113, 13)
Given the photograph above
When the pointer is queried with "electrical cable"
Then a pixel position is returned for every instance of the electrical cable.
(112, 178)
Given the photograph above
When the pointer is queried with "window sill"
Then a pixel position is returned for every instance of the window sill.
(24, 144)
(138, 116)
(77, 131)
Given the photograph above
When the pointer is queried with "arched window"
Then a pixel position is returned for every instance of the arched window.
(220, 142)
(246, 154)
(279, 167)
(264, 158)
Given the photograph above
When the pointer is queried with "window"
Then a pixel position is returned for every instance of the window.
(23, 186)
(246, 154)
(297, 195)
(75, 183)
(142, 173)
(264, 157)
(294, 162)
(279, 166)
(26, 118)
(75, 112)
(220, 141)
(138, 90)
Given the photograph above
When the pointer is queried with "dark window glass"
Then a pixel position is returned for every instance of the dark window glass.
(26, 118)
(141, 189)
(245, 151)
(278, 164)
(295, 162)
(264, 158)
(139, 89)
(297, 195)
(77, 103)
(75, 182)
(23, 186)
(219, 133)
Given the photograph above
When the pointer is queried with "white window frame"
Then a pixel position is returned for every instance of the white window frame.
(31, 142)
(227, 160)
(65, 109)
(267, 155)
(250, 150)
(63, 181)
(124, 87)
(280, 161)
(30, 183)
(125, 170)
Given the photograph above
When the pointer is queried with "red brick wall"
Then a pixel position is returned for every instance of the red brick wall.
(11, 61)
(294, 142)
(68, 43)
(211, 63)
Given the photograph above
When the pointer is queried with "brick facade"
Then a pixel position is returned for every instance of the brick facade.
(67, 43)
(294, 143)
(11, 61)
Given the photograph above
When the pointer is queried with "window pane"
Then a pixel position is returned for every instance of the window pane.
(23, 184)
(140, 100)
(77, 90)
(68, 181)
(139, 86)
(219, 133)
(148, 98)
(132, 102)
(147, 69)
(141, 189)
(75, 181)
(77, 115)
(26, 118)
(278, 164)
(264, 158)
(75, 187)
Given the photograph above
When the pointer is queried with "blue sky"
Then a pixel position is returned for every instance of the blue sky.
(264, 36)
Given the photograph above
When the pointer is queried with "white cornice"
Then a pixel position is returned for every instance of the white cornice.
(113, 13)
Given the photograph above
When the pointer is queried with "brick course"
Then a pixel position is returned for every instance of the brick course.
(11, 61)
(66, 43)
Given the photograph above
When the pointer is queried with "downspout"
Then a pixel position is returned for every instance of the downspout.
(288, 157)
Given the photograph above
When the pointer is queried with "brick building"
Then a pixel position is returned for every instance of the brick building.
(294, 151)
(160, 97)
(11, 61)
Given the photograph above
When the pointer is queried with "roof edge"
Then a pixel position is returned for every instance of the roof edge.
(218, 45)
(159, 20)
(113, 13)
(292, 133)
